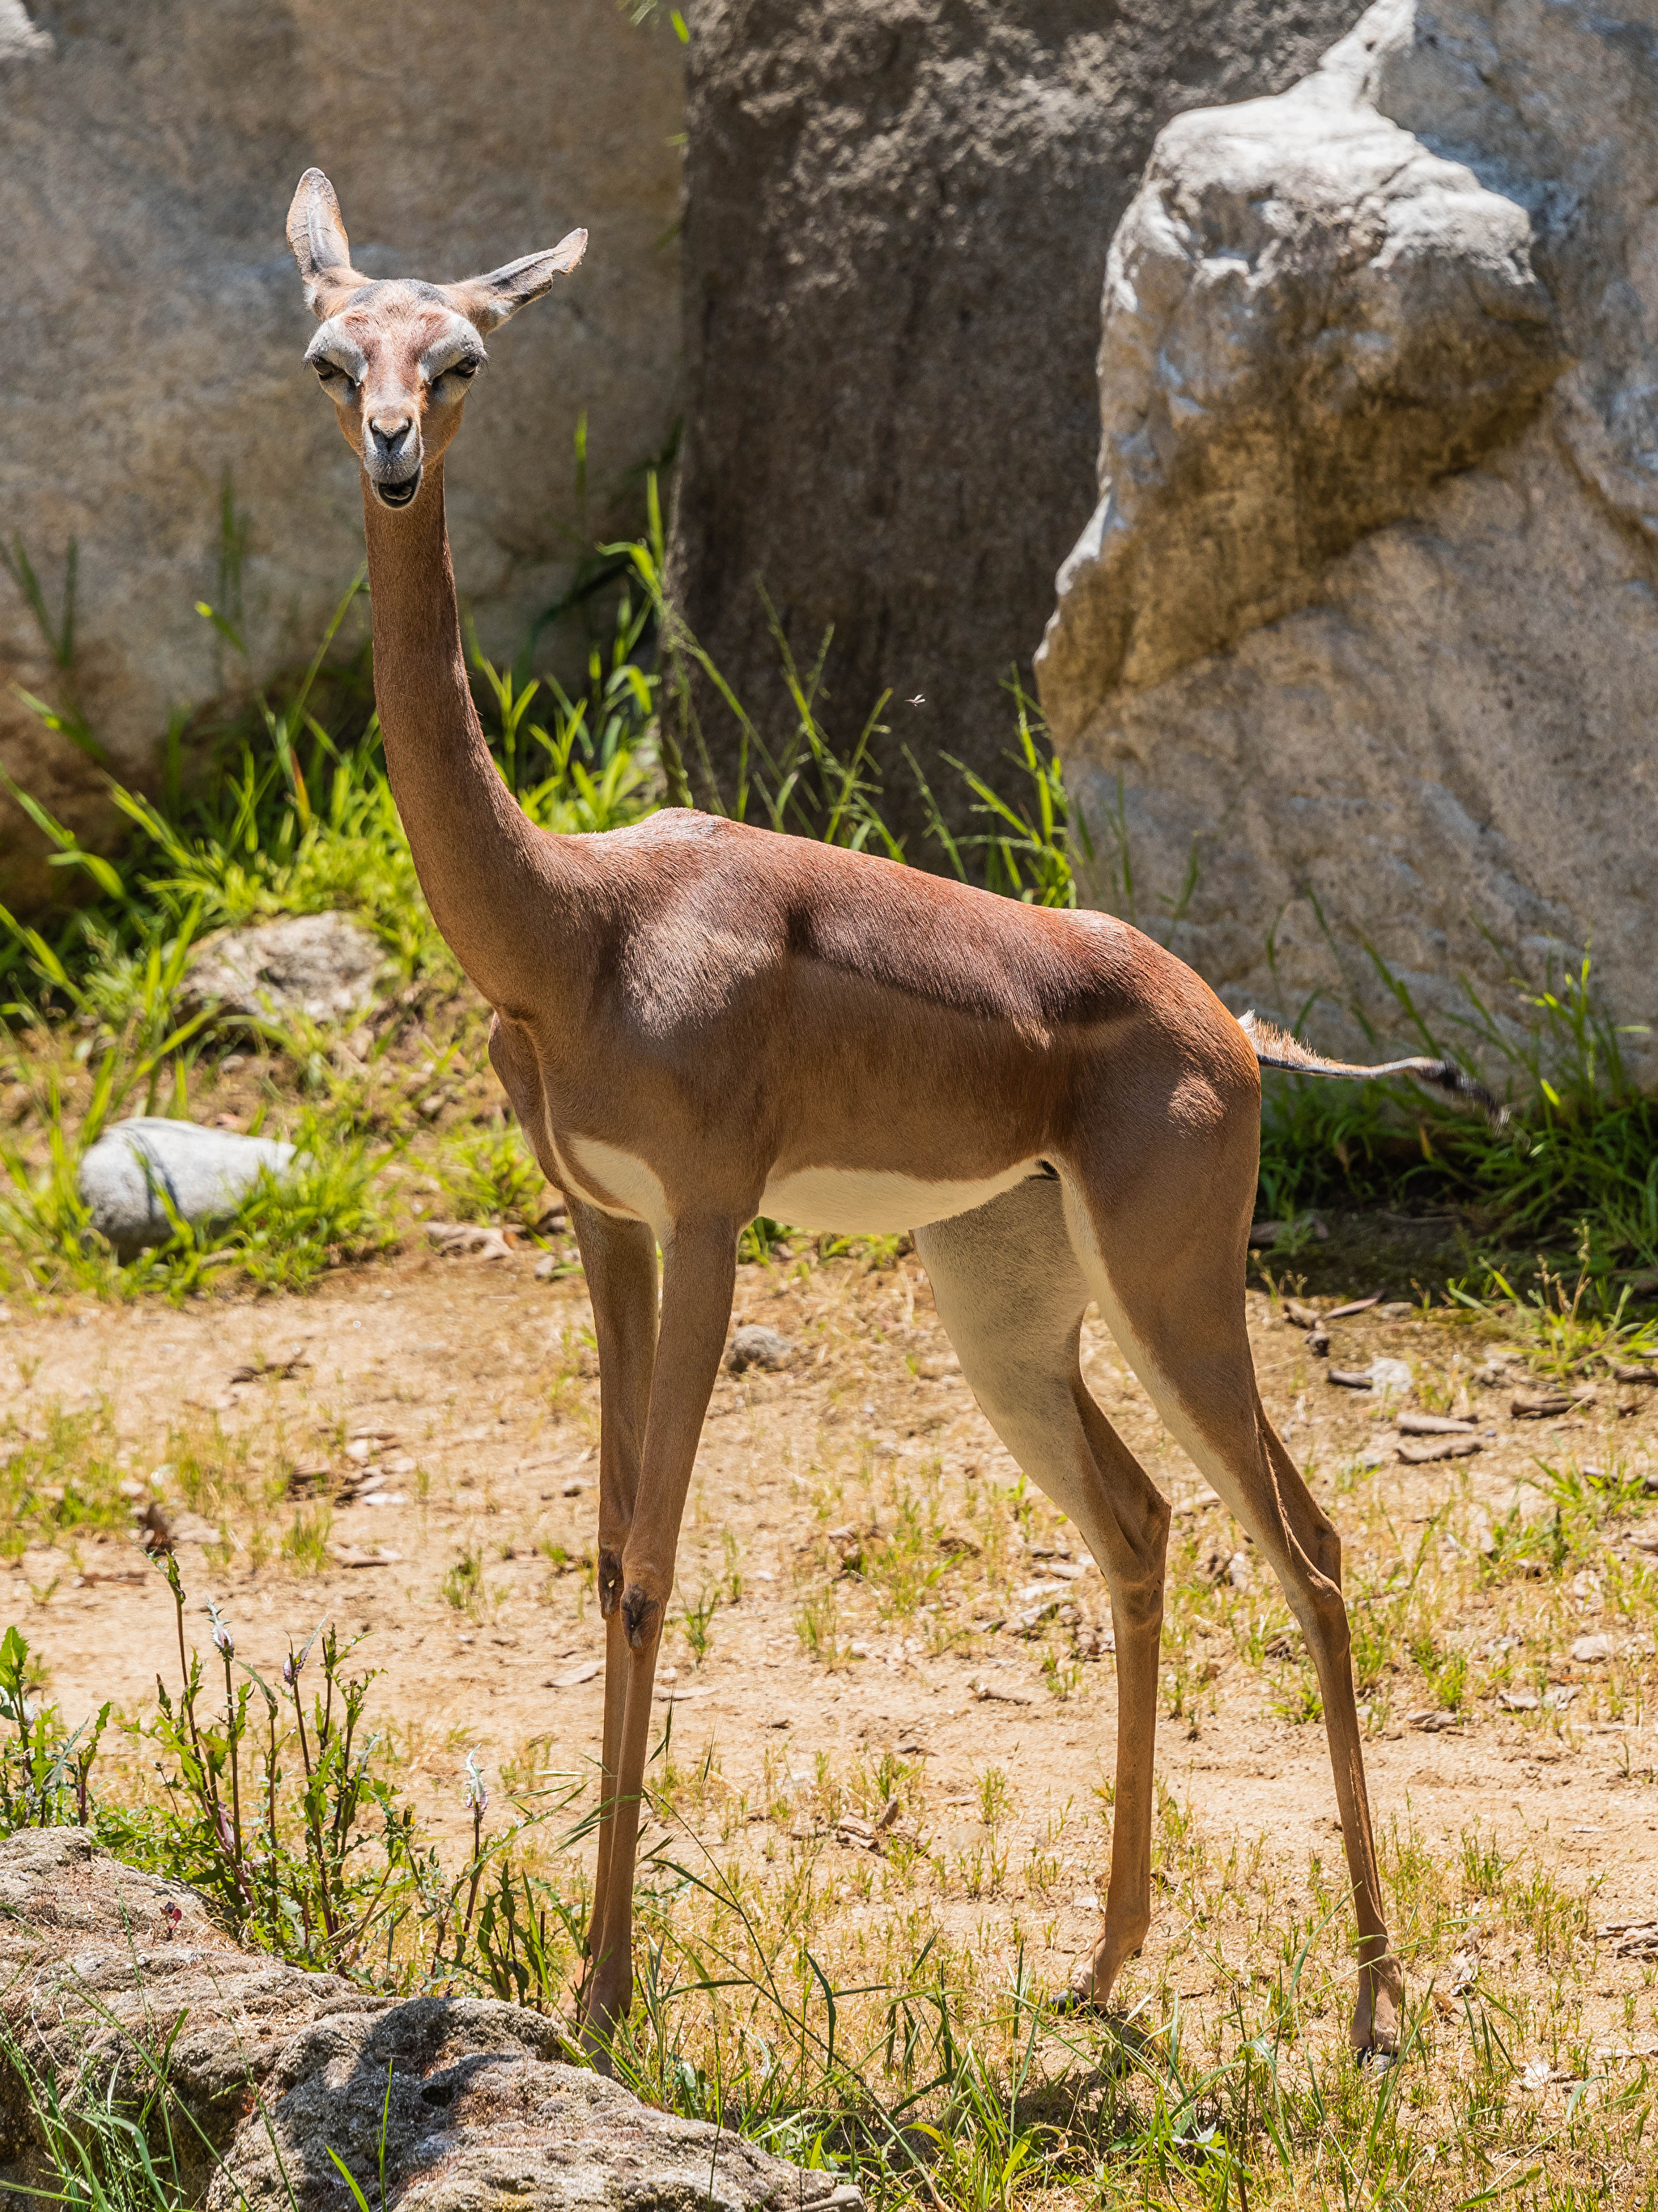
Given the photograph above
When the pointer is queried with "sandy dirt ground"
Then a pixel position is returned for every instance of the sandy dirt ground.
(898, 1595)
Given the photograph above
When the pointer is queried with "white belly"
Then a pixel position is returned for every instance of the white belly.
(870, 1202)
(845, 1201)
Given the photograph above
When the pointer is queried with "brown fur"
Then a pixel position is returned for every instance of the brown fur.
(724, 1005)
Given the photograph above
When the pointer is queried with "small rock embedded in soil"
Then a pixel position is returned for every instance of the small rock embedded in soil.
(141, 1166)
(1380, 1375)
(471, 1239)
(321, 965)
(755, 1346)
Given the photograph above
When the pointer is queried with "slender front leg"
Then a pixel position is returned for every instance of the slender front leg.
(619, 1260)
(699, 1276)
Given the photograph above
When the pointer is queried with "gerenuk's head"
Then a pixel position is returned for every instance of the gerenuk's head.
(398, 358)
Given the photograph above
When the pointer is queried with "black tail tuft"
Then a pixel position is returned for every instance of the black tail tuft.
(1468, 1089)
(1276, 1048)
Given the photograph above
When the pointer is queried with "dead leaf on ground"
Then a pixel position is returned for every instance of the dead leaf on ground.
(270, 1371)
(1545, 1405)
(1631, 1939)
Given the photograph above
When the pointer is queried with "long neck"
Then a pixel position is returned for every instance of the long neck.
(486, 874)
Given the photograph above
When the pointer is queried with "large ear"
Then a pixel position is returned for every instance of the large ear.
(487, 301)
(320, 245)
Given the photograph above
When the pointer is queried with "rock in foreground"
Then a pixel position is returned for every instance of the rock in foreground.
(271, 2068)
(484, 2118)
(204, 1174)
(101, 1961)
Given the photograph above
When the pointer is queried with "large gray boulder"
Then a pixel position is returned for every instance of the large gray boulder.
(896, 226)
(140, 1167)
(1360, 645)
(155, 323)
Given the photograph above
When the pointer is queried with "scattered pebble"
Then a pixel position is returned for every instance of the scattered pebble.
(755, 1346)
(1000, 1694)
(476, 1239)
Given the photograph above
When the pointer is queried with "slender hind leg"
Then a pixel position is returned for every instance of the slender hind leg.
(1010, 1295)
(1164, 1252)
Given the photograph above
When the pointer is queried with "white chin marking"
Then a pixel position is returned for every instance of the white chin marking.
(872, 1202)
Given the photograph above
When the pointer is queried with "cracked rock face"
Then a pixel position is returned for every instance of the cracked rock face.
(465, 2104)
(1360, 642)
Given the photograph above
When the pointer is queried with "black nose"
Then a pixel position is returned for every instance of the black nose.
(390, 437)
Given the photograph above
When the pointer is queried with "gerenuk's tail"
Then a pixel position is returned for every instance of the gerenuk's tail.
(1276, 1048)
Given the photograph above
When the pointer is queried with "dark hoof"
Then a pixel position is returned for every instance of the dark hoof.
(1068, 2002)
(609, 1584)
(641, 1615)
